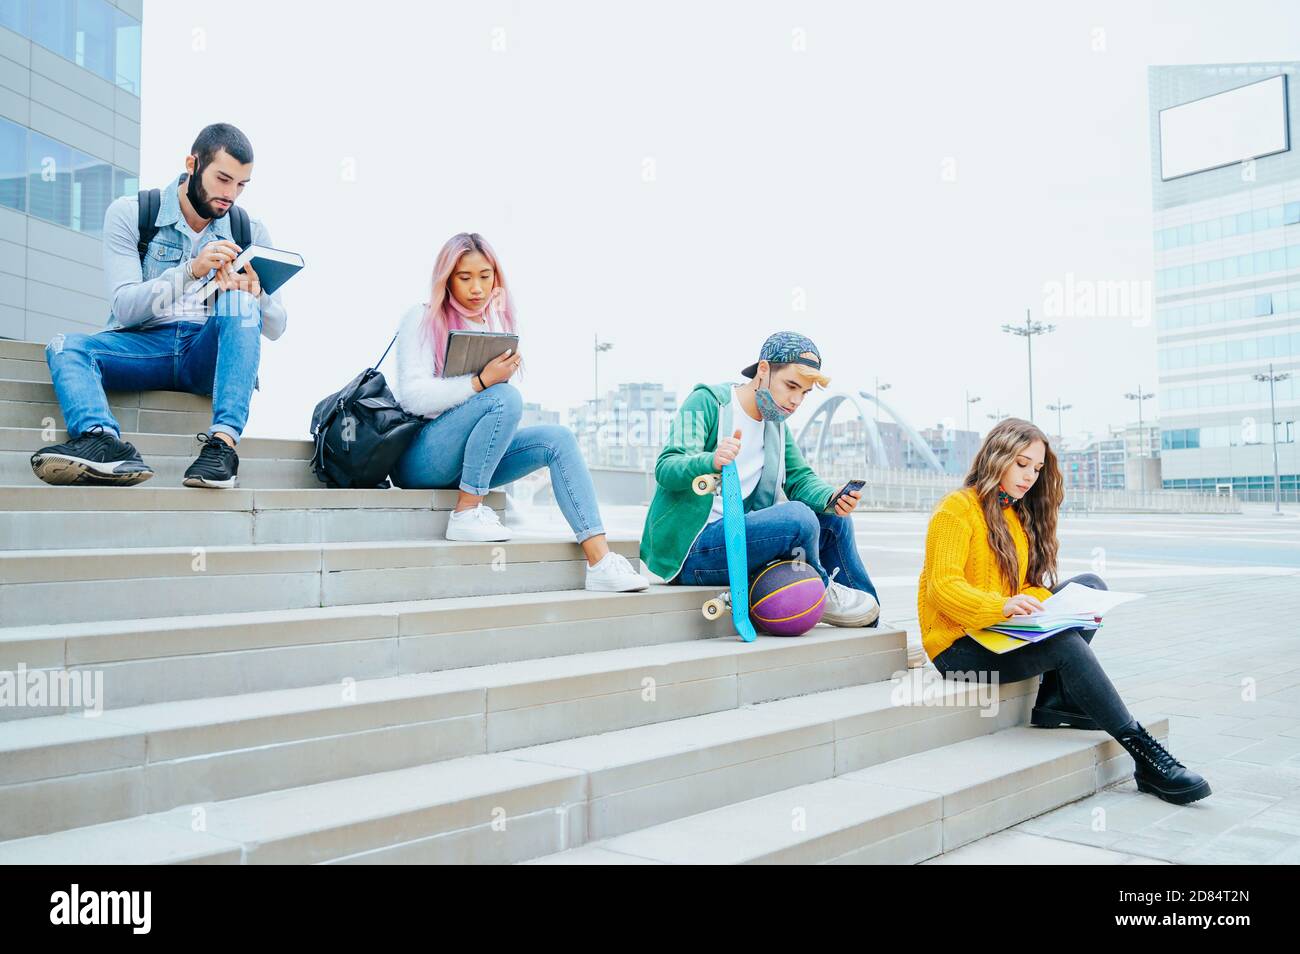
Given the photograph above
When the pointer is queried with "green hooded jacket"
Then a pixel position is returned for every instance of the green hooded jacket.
(678, 514)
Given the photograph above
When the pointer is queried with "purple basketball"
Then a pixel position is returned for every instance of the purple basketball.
(786, 598)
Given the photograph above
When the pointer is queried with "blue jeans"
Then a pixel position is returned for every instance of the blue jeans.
(478, 444)
(1070, 653)
(215, 357)
(781, 531)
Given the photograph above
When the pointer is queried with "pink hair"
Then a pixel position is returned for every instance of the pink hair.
(441, 318)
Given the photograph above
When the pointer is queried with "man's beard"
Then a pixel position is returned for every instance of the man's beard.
(199, 197)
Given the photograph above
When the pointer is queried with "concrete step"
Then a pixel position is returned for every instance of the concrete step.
(25, 379)
(68, 771)
(263, 462)
(898, 812)
(29, 367)
(168, 445)
(27, 399)
(72, 586)
(30, 392)
(33, 404)
(43, 517)
(192, 657)
(25, 383)
(33, 415)
(22, 350)
(537, 800)
(176, 402)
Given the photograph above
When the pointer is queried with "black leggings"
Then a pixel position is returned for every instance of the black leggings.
(1069, 653)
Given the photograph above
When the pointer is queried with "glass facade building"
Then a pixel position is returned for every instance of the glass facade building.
(627, 427)
(1227, 282)
(69, 145)
(1098, 466)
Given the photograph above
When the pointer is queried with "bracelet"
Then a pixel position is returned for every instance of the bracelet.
(482, 386)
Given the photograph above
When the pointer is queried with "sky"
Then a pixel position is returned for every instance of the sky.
(682, 179)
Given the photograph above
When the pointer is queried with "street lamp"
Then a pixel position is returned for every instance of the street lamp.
(1141, 396)
(969, 401)
(997, 417)
(1027, 331)
(1272, 379)
(1058, 407)
(879, 388)
(600, 346)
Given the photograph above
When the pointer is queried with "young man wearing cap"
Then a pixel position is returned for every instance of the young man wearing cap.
(787, 511)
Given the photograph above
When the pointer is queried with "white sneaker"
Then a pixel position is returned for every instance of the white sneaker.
(614, 574)
(477, 525)
(849, 607)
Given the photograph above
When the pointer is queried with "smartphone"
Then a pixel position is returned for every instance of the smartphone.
(851, 486)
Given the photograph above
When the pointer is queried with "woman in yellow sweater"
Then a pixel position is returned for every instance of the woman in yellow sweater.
(989, 549)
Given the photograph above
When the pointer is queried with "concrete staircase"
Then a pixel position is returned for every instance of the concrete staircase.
(296, 674)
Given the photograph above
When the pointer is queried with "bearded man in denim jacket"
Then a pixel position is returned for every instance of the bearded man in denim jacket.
(162, 333)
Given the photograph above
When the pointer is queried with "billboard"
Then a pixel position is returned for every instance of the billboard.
(1225, 128)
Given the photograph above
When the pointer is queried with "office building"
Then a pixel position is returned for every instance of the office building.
(69, 145)
(1098, 465)
(534, 414)
(1226, 190)
(627, 427)
(954, 450)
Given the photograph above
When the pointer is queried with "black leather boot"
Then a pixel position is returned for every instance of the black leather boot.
(1158, 772)
(1055, 707)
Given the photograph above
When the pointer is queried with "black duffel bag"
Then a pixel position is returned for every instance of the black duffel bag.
(361, 431)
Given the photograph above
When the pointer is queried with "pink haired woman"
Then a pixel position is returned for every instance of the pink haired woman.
(472, 440)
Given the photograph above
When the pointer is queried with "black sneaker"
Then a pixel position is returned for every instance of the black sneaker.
(96, 456)
(216, 466)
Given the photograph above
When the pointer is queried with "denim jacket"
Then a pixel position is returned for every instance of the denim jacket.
(133, 290)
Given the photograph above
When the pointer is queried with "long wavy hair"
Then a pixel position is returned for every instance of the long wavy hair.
(441, 318)
(1037, 509)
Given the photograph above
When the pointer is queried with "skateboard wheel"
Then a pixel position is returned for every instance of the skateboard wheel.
(705, 484)
(713, 609)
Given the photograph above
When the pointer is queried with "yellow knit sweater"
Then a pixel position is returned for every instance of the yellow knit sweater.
(960, 589)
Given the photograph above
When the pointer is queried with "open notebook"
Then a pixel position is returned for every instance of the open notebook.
(1074, 606)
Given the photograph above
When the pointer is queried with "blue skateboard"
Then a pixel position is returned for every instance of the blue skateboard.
(733, 532)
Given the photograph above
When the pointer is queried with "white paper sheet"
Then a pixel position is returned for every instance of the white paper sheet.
(1075, 599)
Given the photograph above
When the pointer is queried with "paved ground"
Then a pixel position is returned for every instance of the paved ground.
(1215, 645)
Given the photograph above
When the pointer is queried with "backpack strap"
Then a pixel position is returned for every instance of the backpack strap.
(150, 201)
(241, 230)
(386, 350)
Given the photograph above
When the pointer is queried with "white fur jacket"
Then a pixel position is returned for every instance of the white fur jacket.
(418, 389)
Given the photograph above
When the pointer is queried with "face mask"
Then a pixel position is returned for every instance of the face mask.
(768, 409)
(482, 313)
